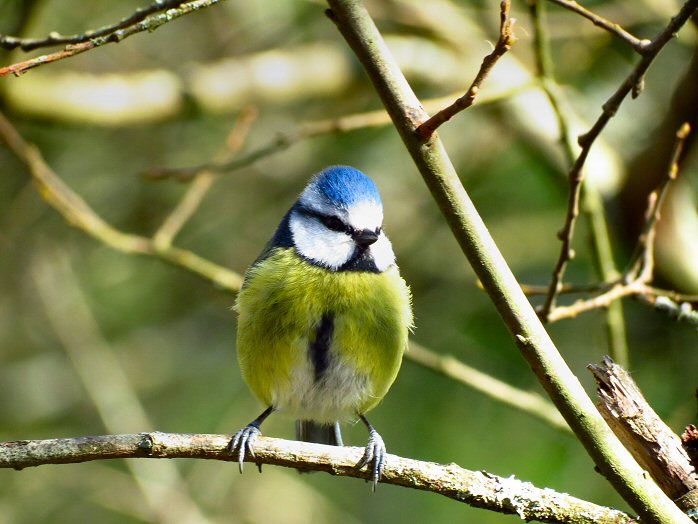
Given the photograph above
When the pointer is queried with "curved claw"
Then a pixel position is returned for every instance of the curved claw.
(374, 454)
(244, 441)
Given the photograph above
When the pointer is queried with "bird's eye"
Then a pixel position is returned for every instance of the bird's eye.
(333, 223)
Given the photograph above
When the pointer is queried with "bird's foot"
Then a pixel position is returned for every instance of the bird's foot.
(374, 457)
(243, 441)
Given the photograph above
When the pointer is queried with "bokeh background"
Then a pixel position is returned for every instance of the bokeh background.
(95, 341)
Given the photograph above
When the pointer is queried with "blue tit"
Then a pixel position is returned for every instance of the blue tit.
(324, 315)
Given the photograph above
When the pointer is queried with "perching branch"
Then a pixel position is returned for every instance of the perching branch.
(567, 394)
(143, 19)
(475, 488)
(504, 43)
(632, 84)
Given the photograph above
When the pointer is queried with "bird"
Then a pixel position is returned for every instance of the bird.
(324, 316)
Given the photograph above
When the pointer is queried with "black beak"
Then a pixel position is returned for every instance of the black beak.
(365, 238)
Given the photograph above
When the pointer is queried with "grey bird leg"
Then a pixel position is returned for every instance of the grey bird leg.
(246, 437)
(374, 454)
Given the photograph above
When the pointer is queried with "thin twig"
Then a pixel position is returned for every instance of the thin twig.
(279, 143)
(642, 262)
(149, 23)
(54, 38)
(635, 280)
(632, 84)
(504, 42)
(307, 131)
(592, 202)
(79, 214)
(202, 183)
(681, 311)
(639, 45)
(475, 488)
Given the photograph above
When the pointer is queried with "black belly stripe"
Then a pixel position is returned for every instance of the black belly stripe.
(320, 347)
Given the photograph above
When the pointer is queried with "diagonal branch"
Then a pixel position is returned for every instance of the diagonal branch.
(612, 459)
(137, 24)
(642, 261)
(475, 488)
(504, 43)
(202, 183)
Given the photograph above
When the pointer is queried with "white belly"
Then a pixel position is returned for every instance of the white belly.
(336, 396)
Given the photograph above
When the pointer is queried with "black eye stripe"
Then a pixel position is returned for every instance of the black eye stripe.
(334, 223)
(331, 222)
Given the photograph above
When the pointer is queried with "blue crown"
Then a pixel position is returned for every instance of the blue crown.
(343, 186)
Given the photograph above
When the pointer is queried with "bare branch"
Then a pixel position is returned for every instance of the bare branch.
(137, 24)
(591, 200)
(279, 143)
(635, 281)
(79, 214)
(54, 38)
(642, 262)
(632, 84)
(475, 488)
(653, 444)
(202, 183)
(616, 30)
(504, 43)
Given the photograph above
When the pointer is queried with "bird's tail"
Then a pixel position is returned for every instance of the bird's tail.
(309, 431)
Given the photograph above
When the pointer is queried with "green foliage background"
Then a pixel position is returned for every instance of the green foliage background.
(171, 335)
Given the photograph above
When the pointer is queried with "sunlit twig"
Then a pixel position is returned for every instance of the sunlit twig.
(504, 43)
(639, 45)
(54, 38)
(137, 24)
(592, 202)
(635, 281)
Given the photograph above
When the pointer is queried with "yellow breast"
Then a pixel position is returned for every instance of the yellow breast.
(280, 309)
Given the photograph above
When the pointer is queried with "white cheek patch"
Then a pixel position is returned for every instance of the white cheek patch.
(367, 214)
(316, 242)
(382, 252)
